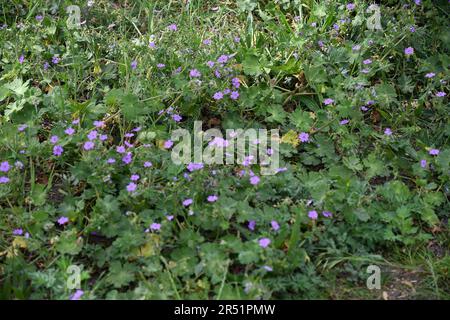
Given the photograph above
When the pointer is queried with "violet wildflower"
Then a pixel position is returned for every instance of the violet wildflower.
(423, 163)
(409, 51)
(194, 73)
(54, 139)
(92, 135)
(343, 122)
(234, 95)
(39, 18)
(207, 42)
(111, 160)
(218, 95)
(172, 27)
(388, 131)
(275, 225)
(4, 179)
(168, 144)
(313, 214)
(327, 214)
(187, 202)
(252, 225)
(267, 268)
(99, 124)
(222, 59)
(210, 64)
(103, 137)
(212, 198)
(193, 166)
(63, 220)
(89, 145)
(131, 187)
(19, 165)
(441, 94)
(21, 59)
(133, 64)
(55, 59)
(328, 101)
(69, 131)
(17, 232)
(134, 177)
(147, 164)
(4, 166)
(350, 6)
(127, 158)
(254, 180)
(434, 152)
(177, 117)
(367, 61)
(155, 226)
(237, 39)
(120, 149)
(46, 65)
(77, 295)
(264, 242)
(160, 65)
(235, 82)
(303, 137)
(58, 150)
(22, 127)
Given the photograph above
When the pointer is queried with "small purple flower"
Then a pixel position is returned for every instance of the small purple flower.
(303, 137)
(92, 135)
(147, 164)
(63, 220)
(170, 217)
(222, 59)
(367, 61)
(412, 29)
(120, 149)
(69, 131)
(218, 95)
(103, 137)
(177, 117)
(39, 18)
(264, 242)
(409, 51)
(127, 158)
(356, 47)
(58, 150)
(267, 268)
(434, 152)
(172, 27)
(441, 94)
(234, 95)
(160, 65)
(207, 42)
(111, 160)
(194, 73)
(4, 180)
(327, 214)
(152, 45)
(46, 65)
(155, 226)
(22, 127)
(237, 39)
(430, 75)
(17, 232)
(328, 101)
(54, 139)
(4, 166)
(423, 163)
(19, 165)
(133, 64)
(193, 166)
(210, 64)
(235, 82)
(76, 121)
(131, 187)
(252, 225)
(21, 59)
(134, 177)
(55, 59)
(343, 122)
(187, 202)
(275, 225)
(168, 144)
(99, 124)
(254, 180)
(313, 214)
(77, 295)
(212, 198)
(350, 6)
(388, 131)
(89, 145)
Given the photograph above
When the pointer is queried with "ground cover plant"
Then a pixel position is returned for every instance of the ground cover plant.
(88, 187)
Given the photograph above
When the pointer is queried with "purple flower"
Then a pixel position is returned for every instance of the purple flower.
(18, 165)
(99, 124)
(252, 225)
(234, 95)
(304, 137)
(120, 149)
(127, 158)
(168, 144)
(4, 166)
(160, 65)
(388, 131)
(147, 164)
(356, 47)
(63, 220)
(172, 27)
(39, 17)
(54, 139)
(264, 242)
(193, 166)
(103, 137)
(194, 73)
(212, 198)
(17, 232)
(22, 127)
(218, 95)
(267, 268)
(89, 145)
(275, 225)
(210, 64)
(55, 59)
(207, 42)
(134, 177)
(76, 121)
(152, 45)
(111, 160)
(434, 152)
(177, 117)
(409, 51)
(4, 180)
(237, 39)
(343, 122)
(131, 187)
(328, 101)
(21, 59)
(170, 218)
(350, 6)
(58, 150)
(367, 61)
(430, 75)
(313, 214)
(77, 295)
(133, 64)
(69, 131)
(92, 135)
(441, 94)
(155, 226)
(423, 163)
(187, 202)
(46, 65)
(222, 59)
(254, 180)
(412, 29)
(327, 214)
(235, 82)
